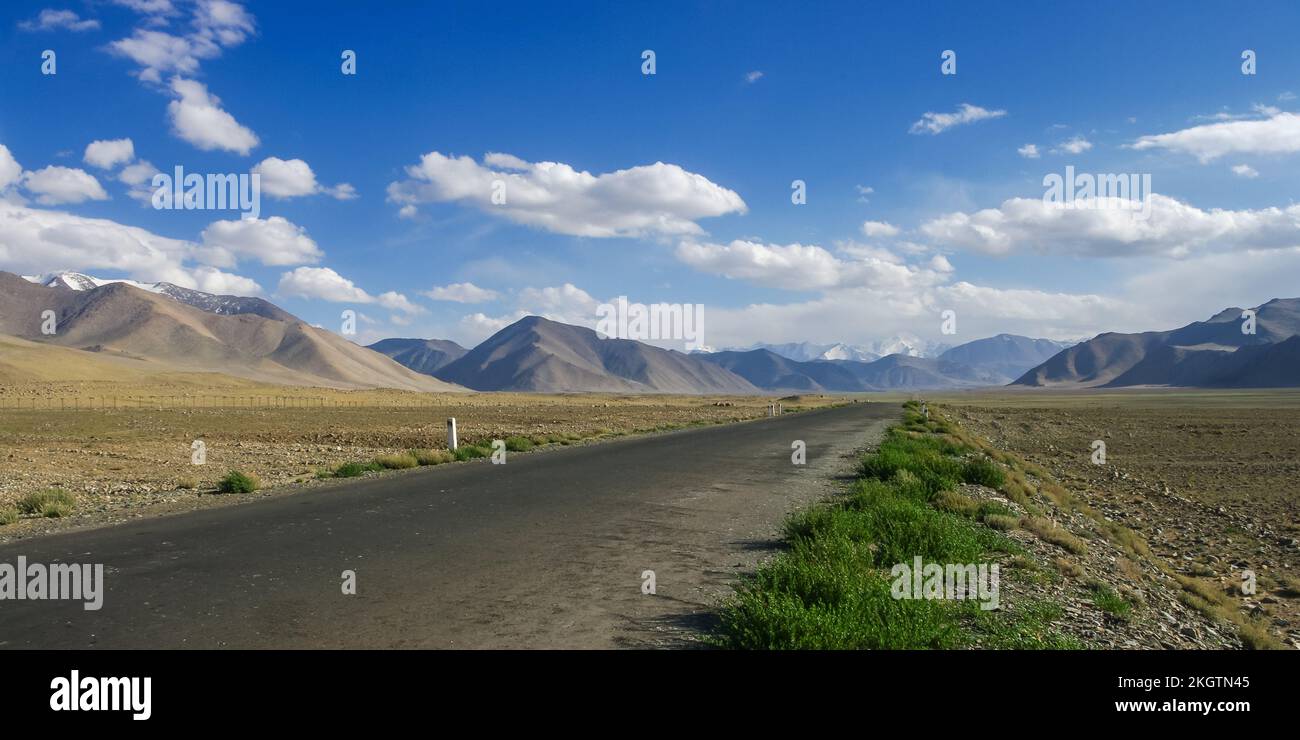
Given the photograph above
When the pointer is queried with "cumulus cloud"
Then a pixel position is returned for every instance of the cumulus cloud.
(323, 283)
(937, 123)
(216, 24)
(108, 153)
(657, 199)
(461, 293)
(875, 229)
(800, 266)
(1245, 170)
(1074, 145)
(55, 185)
(10, 170)
(54, 20)
(1174, 229)
(35, 240)
(752, 77)
(1278, 133)
(1029, 151)
(291, 178)
(197, 117)
(271, 241)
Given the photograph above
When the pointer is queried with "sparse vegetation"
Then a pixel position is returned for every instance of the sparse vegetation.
(518, 444)
(238, 482)
(8, 515)
(401, 461)
(51, 503)
(354, 469)
(433, 457)
(832, 588)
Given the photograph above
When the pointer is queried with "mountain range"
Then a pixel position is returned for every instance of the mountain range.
(164, 328)
(1216, 353)
(130, 327)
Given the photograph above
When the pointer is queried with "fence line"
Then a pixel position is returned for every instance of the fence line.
(177, 402)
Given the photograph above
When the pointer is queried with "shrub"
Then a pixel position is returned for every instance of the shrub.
(187, 483)
(470, 452)
(433, 457)
(238, 482)
(983, 472)
(354, 469)
(1050, 533)
(519, 444)
(8, 515)
(399, 461)
(52, 503)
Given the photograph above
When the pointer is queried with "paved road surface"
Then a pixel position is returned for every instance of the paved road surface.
(546, 551)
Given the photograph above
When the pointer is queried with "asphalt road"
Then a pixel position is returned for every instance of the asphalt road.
(546, 551)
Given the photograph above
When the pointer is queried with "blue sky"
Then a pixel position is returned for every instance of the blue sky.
(745, 99)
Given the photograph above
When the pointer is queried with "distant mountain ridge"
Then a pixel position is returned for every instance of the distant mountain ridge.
(1215, 353)
(226, 305)
(536, 354)
(425, 356)
(161, 331)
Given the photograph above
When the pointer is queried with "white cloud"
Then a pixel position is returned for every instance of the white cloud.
(292, 178)
(1279, 133)
(801, 266)
(752, 77)
(657, 199)
(108, 153)
(152, 7)
(211, 280)
(1174, 229)
(197, 117)
(559, 301)
(36, 240)
(461, 293)
(325, 284)
(138, 173)
(863, 192)
(875, 229)
(55, 185)
(937, 123)
(52, 20)
(1029, 151)
(271, 241)
(217, 24)
(1245, 170)
(1074, 145)
(10, 170)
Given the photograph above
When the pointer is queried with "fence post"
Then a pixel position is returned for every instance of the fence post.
(451, 434)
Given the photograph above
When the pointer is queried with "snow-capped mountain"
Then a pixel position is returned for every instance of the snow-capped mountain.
(907, 345)
(226, 305)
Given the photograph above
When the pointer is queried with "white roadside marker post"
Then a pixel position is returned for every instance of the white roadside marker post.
(451, 434)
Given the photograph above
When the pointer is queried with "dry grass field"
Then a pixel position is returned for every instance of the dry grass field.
(1210, 479)
(125, 450)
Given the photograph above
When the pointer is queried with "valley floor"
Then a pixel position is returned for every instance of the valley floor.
(125, 450)
(1210, 480)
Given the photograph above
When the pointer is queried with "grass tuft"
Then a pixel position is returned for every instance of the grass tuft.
(51, 503)
(238, 482)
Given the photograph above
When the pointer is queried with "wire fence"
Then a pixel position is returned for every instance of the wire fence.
(166, 403)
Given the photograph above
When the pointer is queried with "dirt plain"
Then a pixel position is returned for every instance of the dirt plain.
(1210, 479)
(126, 450)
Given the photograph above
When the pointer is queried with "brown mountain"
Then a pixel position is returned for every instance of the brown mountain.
(536, 354)
(1209, 354)
(426, 356)
(122, 320)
